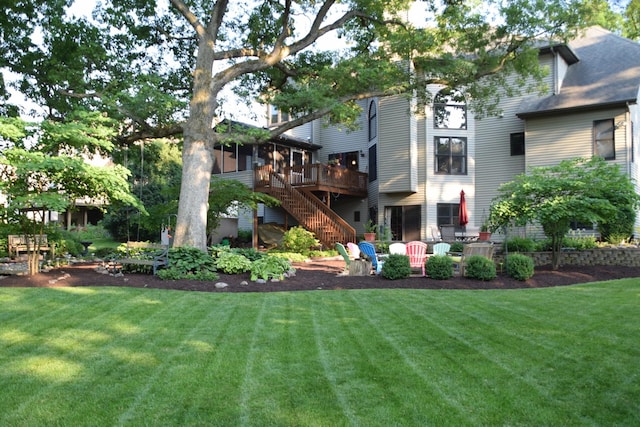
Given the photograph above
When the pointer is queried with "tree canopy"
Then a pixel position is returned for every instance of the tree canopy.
(163, 69)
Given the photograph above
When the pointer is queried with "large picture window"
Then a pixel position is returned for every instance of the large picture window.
(603, 139)
(449, 110)
(451, 155)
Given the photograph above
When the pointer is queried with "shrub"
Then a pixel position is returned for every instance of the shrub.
(269, 267)
(479, 267)
(396, 267)
(250, 253)
(456, 247)
(519, 266)
(576, 241)
(439, 267)
(520, 244)
(298, 239)
(232, 263)
(105, 252)
(619, 227)
(189, 263)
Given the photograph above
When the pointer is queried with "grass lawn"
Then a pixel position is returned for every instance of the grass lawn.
(565, 356)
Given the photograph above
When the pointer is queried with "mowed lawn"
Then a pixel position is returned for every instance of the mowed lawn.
(566, 356)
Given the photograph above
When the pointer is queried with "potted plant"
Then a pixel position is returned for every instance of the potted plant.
(485, 233)
(370, 230)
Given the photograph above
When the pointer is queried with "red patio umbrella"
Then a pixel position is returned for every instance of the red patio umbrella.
(463, 216)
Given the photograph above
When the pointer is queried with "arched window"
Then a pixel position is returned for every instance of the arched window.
(373, 121)
(449, 110)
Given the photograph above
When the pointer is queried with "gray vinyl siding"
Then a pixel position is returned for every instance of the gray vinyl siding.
(552, 139)
(397, 146)
(338, 139)
(494, 163)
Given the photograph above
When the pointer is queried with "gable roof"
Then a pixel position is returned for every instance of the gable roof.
(606, 74)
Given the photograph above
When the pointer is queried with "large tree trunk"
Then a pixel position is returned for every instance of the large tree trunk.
(197, 163)
(197, 156)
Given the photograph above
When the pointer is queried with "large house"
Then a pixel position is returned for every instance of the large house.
(406, 171)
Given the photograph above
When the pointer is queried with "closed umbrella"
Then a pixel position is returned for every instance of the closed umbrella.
(463, 217)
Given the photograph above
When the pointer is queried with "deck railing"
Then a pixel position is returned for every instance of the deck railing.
(317, 175)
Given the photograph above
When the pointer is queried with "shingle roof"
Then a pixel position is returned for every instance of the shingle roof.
(606, 74)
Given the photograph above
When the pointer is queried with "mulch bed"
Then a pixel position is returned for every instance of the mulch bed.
(315, 275)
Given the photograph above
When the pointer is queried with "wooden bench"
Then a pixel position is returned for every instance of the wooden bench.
(144, 253)
(25, 243)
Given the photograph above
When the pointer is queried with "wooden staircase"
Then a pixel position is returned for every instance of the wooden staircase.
(328, 227)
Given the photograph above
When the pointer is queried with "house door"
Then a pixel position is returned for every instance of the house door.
(298, 160)
(404, 222)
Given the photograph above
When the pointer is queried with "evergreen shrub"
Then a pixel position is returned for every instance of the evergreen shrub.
(396, 267)
(456, 247)
(519, 266)
(439, 267)
(479, 267)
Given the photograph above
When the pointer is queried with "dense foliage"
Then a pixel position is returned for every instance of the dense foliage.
(270, 268)
(299, 239)
(479, 267)
(583, 190)
(396, 267)
(519, 266)
(439, 267)
(189, 263)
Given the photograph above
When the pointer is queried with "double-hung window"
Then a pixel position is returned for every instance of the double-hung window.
(603, 139)
(451, 155)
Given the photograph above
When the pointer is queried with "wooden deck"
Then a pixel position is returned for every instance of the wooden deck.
(317, 177)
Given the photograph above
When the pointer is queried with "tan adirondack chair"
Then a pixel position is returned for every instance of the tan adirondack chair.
(482, 249)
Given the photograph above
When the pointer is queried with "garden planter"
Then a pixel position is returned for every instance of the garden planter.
(484, 235)
(369, 237)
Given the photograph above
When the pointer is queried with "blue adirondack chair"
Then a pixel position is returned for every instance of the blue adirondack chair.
(370, 251)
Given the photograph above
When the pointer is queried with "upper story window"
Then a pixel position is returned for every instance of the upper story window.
(277, 116)
(603, 139)
(449, 110)
(451, 155)
(373, 163)
(517, 143)
(373, 120)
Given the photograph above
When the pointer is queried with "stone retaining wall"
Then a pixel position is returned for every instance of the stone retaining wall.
(601, 256)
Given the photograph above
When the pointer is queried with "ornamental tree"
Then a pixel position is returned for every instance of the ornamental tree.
(43, 169)
(166, 69)
(584, 190)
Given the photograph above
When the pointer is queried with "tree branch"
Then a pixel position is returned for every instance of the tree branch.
(151, 133)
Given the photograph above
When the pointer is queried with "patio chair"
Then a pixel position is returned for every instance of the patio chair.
(417, 252)
(370, 251)
(441, 248)
(354, 250)
(398, 248)
(343, 251)
(435, 234)
(483, 249)
(448, 233)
